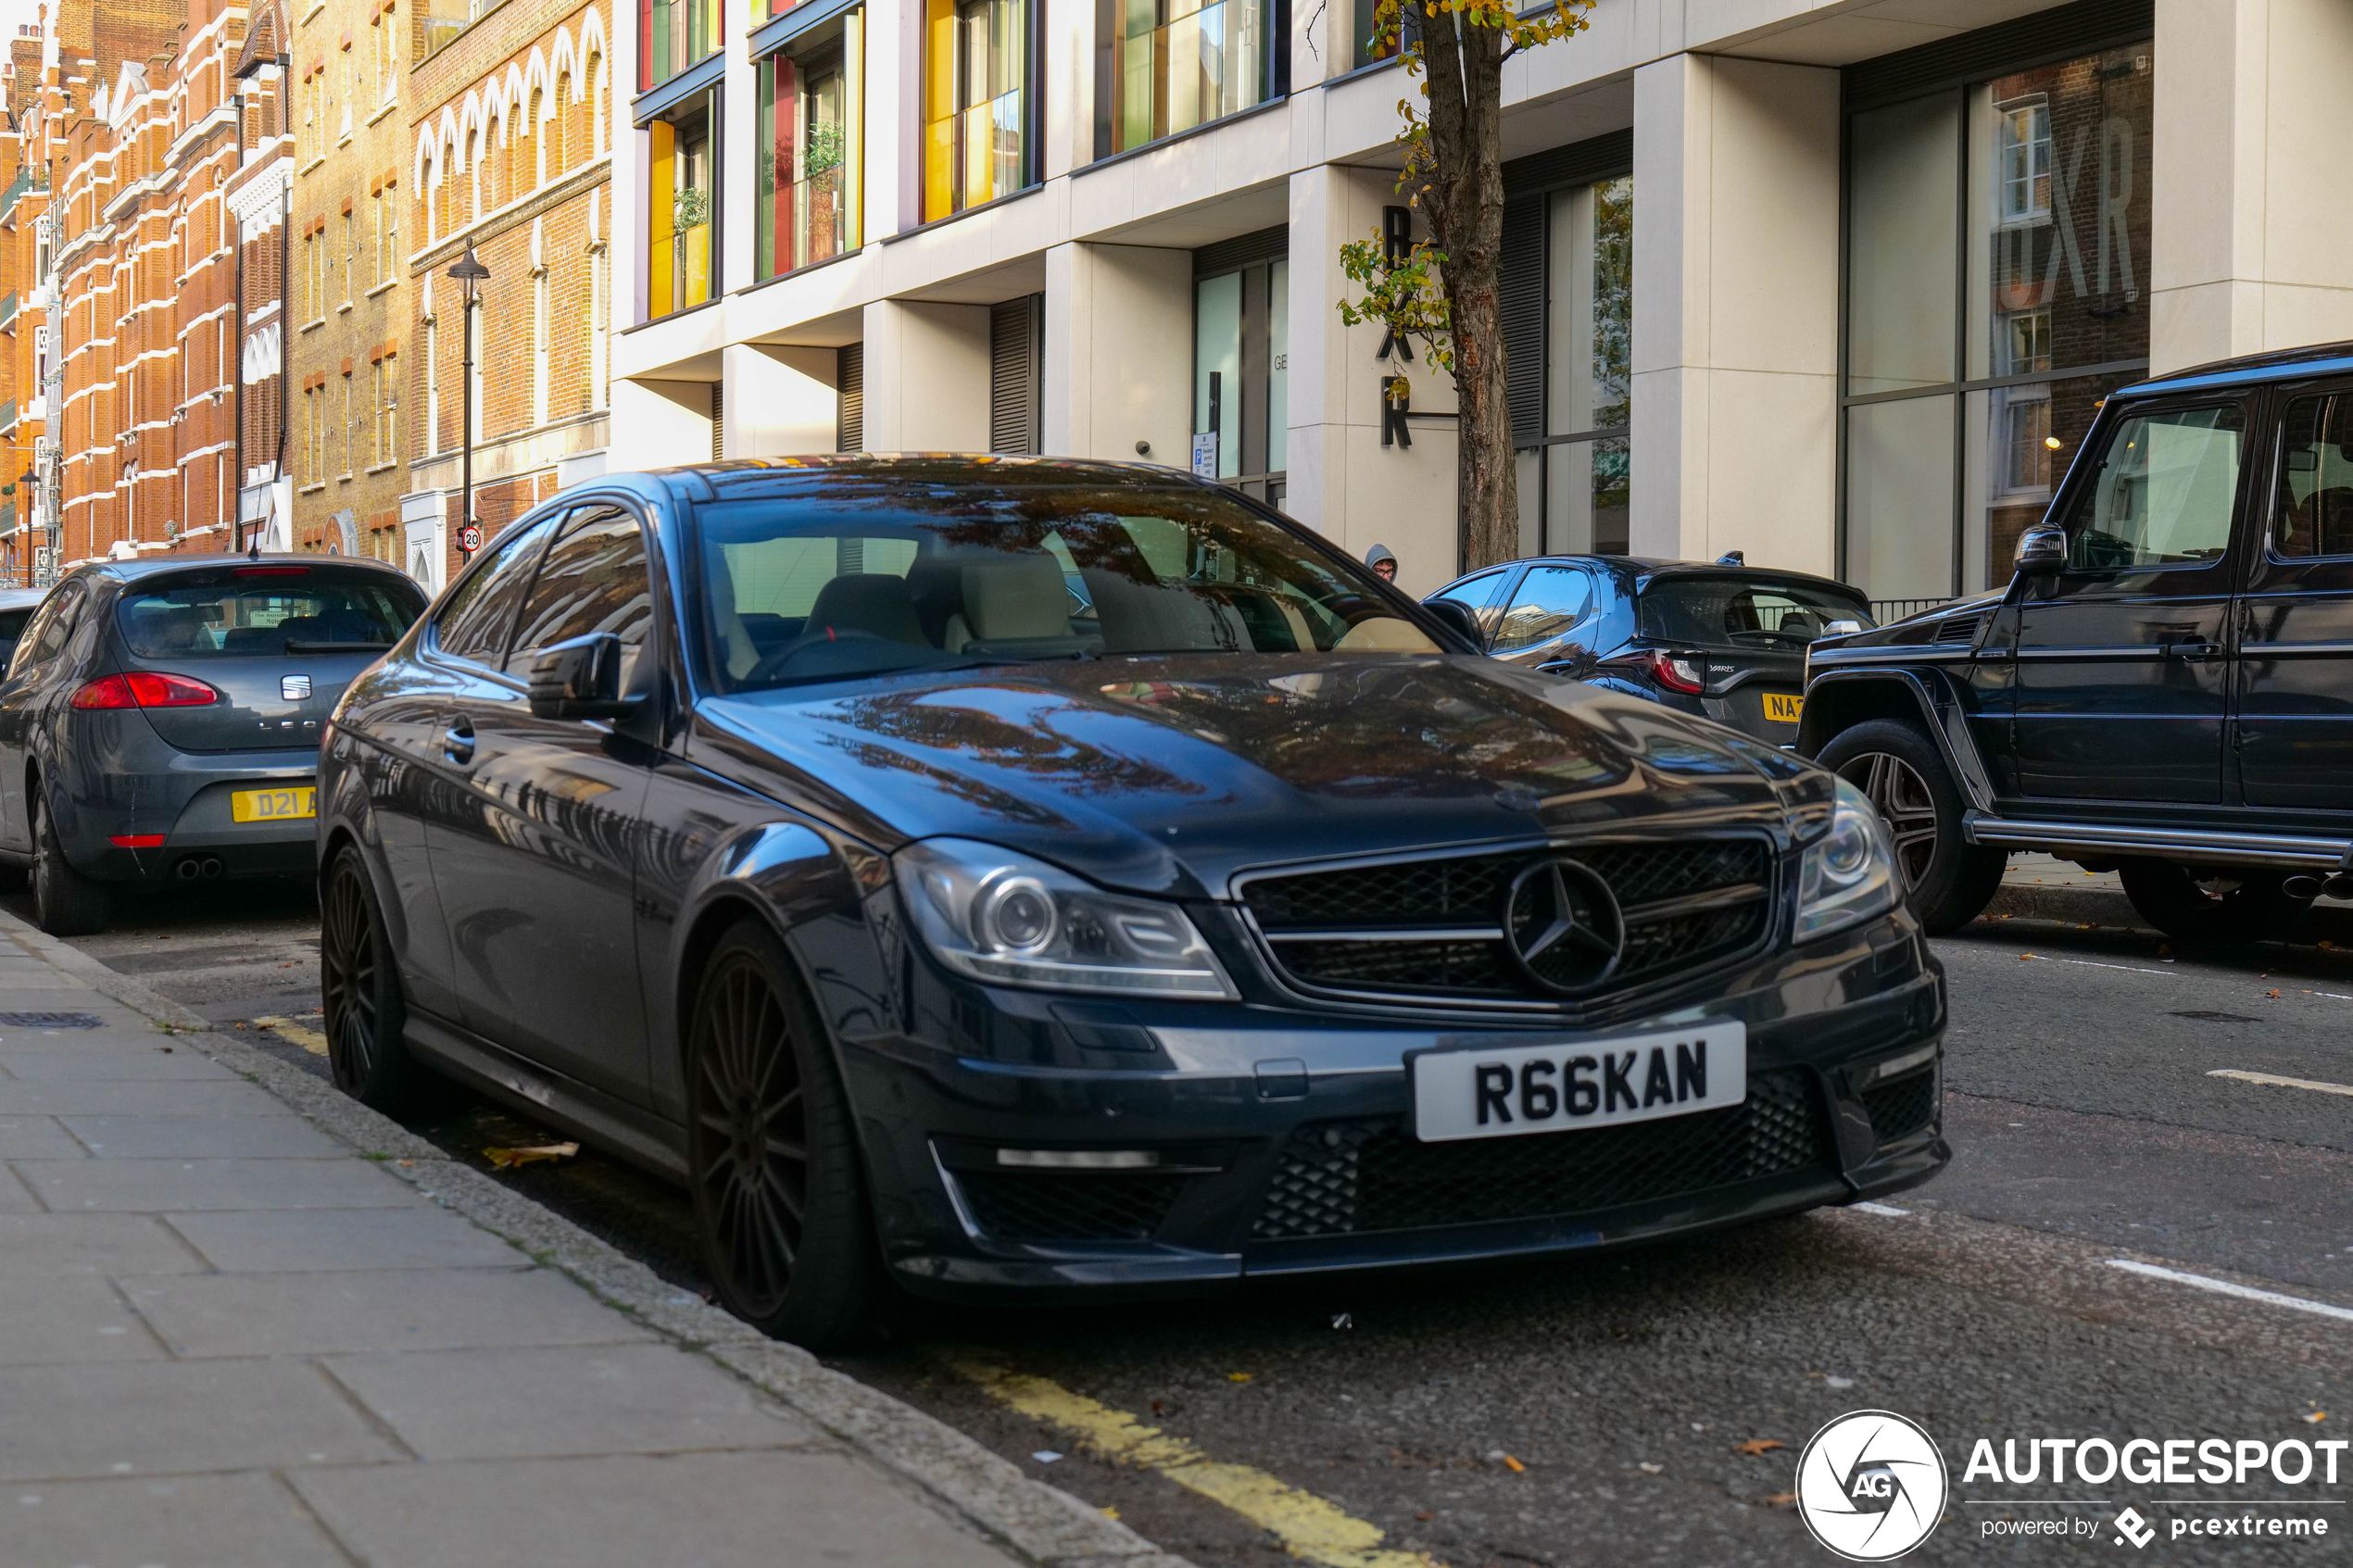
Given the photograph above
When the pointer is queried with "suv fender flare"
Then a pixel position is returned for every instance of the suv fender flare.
(1836, 699)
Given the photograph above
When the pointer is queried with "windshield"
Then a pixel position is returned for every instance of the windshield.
(859, 581)
(1732, 612)
(266, 610)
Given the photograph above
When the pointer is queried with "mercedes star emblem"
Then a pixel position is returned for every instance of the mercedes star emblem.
(1562, 925)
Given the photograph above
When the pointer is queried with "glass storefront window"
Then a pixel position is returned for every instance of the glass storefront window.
(675, 34)
(2006, 226)
(976, 144)
(809, 121)
(1575, 490)
(1241, 374)
(682, 218)
(1176, 64)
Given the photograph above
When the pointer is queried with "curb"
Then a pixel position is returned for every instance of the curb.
(1042, 1524)
(2332, 923)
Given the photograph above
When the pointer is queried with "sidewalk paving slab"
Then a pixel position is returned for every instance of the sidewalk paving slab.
(355, 1348)
(391, 1310)
(539, 1403)
(798, 1510)
(246, 1521)
(159, 1187)
(311, 1240)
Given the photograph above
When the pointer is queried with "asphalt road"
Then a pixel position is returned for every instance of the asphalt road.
(1594, 1411)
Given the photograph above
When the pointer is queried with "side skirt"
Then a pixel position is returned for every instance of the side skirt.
(644, 1140)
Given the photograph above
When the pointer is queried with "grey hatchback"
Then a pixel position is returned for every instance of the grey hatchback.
(160, 719)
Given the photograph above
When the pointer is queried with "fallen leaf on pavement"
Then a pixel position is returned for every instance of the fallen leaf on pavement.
(2315, 1418)
(1758, 1445)
(1111, 1513)
(1514, 1465)
(1425, 1515)
(1647, 1468)
(1781, 1499)
(1239, 1376)
(2274, 994)
(508, 1159)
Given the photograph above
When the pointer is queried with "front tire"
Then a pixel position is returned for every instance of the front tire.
(1949, 879)
(2210, 903)
(359, 992)
(772, 1155)
(65, 902)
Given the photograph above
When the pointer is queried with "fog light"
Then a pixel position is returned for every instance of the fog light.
(1079, 1158)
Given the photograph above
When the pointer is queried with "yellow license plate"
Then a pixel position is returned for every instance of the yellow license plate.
(1781, 708)
(273, 805)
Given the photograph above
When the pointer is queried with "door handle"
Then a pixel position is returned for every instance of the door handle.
(458, 741)
(2199, 652)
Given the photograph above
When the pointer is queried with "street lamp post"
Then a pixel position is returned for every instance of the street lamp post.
(470, 273)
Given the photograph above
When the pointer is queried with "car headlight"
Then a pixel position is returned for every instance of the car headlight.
(1849, 872)
(1002, 917)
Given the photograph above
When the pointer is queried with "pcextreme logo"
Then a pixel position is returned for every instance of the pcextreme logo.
(1871, 1486)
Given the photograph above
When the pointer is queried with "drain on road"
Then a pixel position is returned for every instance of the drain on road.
(51, 1021)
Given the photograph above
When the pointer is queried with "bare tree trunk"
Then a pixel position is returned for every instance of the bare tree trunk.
(1464, 203)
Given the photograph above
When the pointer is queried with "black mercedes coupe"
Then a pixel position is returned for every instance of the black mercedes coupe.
(974, 874)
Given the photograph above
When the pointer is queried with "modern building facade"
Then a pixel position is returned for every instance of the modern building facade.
(1838, 284)
(508, 158)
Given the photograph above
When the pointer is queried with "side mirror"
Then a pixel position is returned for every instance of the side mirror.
(579, 679)
(2042, 551)
(1461, 618)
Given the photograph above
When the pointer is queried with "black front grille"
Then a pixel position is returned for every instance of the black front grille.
(1902, 1106)
(1027, 1206)
(1336, 1178)
(1326, 929)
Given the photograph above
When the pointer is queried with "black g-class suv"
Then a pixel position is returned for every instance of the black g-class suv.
(2166, 686)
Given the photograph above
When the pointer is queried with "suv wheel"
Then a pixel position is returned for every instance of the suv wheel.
(1949, 879)
(360, 990)
(65, 902)
(773, 1157)
(2210, 903)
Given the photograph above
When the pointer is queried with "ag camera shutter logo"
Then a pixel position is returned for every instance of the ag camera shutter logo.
(1871, 1486)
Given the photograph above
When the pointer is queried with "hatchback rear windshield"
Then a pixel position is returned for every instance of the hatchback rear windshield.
(304, 610)
(858, 578)
(1732, 612)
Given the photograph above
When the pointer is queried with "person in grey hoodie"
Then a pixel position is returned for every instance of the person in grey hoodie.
(1383, 562)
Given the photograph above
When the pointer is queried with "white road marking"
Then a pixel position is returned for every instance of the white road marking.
(2314, 1084)
(1887, 1208)
(2087, 964)
(2224, 1287)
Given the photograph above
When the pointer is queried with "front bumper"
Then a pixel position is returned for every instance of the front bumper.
(1283, 1143)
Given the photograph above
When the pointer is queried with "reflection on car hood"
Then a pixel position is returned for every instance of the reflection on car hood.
(1168, 773)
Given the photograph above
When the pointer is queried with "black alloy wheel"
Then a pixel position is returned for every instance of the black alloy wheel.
(360, 990)
(772, 1154)
(2212, 903)
(65, 902)
(1948, 879)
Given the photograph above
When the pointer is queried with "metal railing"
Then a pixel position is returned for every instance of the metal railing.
(1885, 610)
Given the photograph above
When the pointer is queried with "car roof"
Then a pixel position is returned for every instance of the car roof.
(2279, 364)
(151, 566)
(1649, 569)
(747, 478)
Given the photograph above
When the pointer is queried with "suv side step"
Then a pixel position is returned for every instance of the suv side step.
(2174, 844)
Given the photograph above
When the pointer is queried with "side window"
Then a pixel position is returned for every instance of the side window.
(592, 579)
(2164, 492)
(1479, 593)
(51, 625)
(475, 622)
(2315, 506)
(1550, 603)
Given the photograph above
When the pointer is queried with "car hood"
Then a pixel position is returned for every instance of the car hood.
(1168, 774)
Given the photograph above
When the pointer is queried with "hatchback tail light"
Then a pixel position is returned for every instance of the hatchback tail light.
(1677, 672)
(145, 689)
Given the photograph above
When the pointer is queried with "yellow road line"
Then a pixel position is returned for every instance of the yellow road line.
(309, 1040)
(1308, 1526)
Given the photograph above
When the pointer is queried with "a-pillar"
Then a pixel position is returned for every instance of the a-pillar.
(1735, 347)
(926, 377)
(780, 401)
(2250, 202)
(1119, 353)
(1341, 480)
